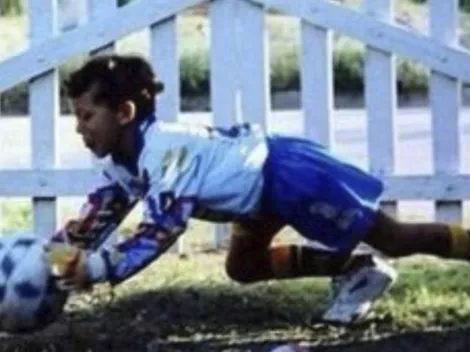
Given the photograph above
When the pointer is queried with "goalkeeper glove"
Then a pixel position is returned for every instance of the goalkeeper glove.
(68, 265)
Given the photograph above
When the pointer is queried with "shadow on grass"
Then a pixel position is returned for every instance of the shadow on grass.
(172, 316)
(220, 318)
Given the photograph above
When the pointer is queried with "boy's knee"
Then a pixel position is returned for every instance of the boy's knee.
(387, 236)
(393, 250)
(239, 271)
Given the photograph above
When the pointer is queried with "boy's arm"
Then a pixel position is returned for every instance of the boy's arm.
(159, 230)
(169, 202)
(105, 208)
(165, 219)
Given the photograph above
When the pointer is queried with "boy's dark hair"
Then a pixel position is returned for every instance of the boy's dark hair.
(117, 78)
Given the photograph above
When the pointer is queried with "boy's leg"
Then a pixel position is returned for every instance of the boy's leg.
(398, 239)
(332, 202)
(251, 257)
(355, 291)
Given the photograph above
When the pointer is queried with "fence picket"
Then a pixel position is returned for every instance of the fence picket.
(43, 107)
(445, 104)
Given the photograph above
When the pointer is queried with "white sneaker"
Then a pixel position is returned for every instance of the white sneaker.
(354, 293)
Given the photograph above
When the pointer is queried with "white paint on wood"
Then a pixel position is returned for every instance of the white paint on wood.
(72, 14)
(387, 37)
(164, 58)
(445, 105)
(316, 62)
(98, 11)
(253, 60)
(223, 74)
(43, 107)
(46, 183)
(428, 187)
(381, 100)
(56, 182)
(55, 51)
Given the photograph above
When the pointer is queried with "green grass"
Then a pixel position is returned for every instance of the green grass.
(188, 304)
(184, 301)
(429, 292)
(464, 4)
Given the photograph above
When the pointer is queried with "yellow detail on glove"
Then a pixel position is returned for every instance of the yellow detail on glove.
(68, 266)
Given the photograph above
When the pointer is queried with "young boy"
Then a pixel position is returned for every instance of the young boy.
(259, 182)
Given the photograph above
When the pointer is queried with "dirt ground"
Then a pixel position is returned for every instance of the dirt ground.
(171, 321)
(189, 305)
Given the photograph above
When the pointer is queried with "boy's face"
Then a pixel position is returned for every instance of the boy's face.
(97, 124)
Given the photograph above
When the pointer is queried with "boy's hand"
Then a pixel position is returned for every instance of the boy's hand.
(68, 266)
(75, 234)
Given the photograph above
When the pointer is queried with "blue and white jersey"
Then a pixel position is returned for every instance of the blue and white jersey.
(182, 171)
(217, 173)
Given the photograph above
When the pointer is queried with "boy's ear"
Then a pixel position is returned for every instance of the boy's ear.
(126, 112)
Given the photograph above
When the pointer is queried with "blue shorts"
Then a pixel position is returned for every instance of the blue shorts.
(323, 197)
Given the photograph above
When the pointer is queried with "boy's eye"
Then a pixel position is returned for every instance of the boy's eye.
(87, 116)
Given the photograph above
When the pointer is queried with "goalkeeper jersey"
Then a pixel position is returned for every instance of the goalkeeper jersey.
(181, 171)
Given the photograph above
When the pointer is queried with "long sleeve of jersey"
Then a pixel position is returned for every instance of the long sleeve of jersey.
(169, 202)
(157, 232)
(105, 208)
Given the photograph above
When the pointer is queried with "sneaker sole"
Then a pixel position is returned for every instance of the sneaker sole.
(350, 314)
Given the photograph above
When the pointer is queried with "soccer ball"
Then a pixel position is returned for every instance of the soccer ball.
(29, 298)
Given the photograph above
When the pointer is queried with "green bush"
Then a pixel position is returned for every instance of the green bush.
(464, 4)
(123, 2)
(194, 73)
(348, 62)
(283, 71)
(348, 66)
(11, 7)
(348, 70)
(16, 7)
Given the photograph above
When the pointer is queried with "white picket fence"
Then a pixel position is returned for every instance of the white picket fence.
(240, 84)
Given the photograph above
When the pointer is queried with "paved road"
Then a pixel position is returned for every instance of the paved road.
(414, 130)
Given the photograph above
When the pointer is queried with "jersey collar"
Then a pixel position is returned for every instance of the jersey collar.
(139, 130)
